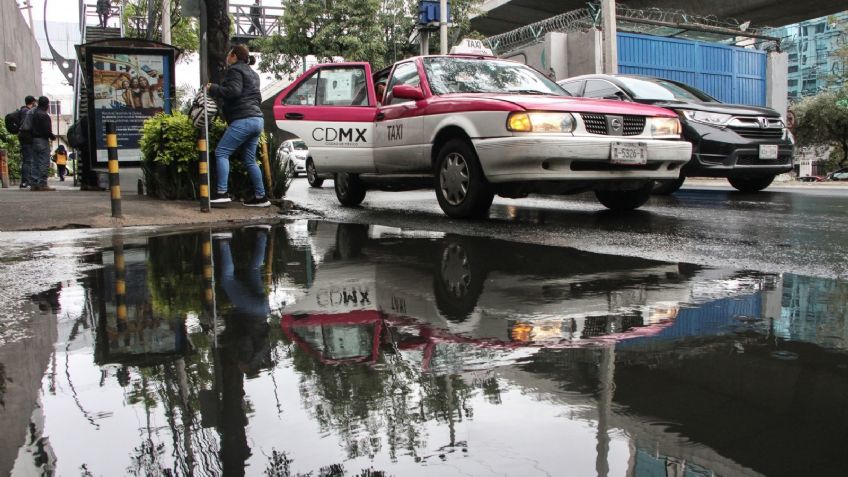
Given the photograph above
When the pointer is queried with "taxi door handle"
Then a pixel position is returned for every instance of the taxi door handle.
(380, 116)
(294, 116)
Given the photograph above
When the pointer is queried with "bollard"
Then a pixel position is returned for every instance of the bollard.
(266, 164)
(120, 282)
(4, 169)
(114, 178)
(203, 165)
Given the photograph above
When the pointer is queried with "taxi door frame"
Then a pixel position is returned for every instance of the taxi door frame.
(315, 123)
(410, 116)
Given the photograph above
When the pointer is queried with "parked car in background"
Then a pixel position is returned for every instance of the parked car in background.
(472, 126)
(810, 179)
(297, 151)
(748, 145)
(838, 175)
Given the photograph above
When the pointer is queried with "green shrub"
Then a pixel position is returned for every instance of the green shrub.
(9, 142)
(170, 160)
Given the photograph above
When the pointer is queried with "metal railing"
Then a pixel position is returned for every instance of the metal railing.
(255, 21)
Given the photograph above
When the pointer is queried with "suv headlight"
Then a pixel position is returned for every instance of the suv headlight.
(540, 122)
(665, 127)
(716, 119)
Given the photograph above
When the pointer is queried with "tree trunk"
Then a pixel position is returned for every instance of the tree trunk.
(218, 36)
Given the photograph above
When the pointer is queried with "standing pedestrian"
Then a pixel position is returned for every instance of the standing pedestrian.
(60, 157)
(256, 27)
(240, 96)
(42, 134)
(26, 144)
(104, 9)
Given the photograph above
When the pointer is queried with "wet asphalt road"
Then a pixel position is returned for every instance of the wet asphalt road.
(783, 229)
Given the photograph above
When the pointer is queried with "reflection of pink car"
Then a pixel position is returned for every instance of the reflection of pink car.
(476, 126)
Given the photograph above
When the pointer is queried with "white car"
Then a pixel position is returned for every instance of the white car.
(296, 151)
(475, 126)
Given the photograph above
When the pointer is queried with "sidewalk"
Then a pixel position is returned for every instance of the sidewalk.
(68, 207)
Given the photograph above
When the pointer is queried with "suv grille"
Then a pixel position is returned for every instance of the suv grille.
(758, 133)
(597, 124)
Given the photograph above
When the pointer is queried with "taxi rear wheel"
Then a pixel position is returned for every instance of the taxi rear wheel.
(312, 175)
(349, 189)
(623, 200)
(461, 188)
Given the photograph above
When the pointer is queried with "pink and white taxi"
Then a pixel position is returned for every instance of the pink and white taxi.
(475, 126)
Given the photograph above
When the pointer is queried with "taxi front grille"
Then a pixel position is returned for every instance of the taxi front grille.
(597, 124)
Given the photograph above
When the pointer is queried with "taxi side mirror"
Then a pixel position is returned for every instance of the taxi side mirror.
(405, 91)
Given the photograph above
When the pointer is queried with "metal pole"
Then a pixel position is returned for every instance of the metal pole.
(443, 26)
(424, 38)
(4, 169)
(203, 165)
(114, 177)
(166, 21)
(610, 39)
(120, 281)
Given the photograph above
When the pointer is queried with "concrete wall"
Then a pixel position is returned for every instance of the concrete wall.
(562, 55)
(20, 47)
(777, 85)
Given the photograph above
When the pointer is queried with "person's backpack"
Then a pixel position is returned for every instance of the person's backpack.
(76, 138)
(12, 121)
(25, 132)
(196, 111)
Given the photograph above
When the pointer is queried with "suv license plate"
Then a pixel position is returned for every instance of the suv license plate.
(629, 153)
(768, 152)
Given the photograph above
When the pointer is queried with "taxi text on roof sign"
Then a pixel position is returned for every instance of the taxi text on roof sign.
(471, 47)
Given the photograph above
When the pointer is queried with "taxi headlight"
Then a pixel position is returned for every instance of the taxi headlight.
(665, 127)
(540, 122)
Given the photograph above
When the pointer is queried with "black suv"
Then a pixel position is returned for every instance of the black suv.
(749, 145)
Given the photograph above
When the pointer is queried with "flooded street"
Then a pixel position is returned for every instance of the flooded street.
(324, 349)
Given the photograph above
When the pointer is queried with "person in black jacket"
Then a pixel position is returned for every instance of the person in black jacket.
(26, 145)
(240, 96)
(42, 134)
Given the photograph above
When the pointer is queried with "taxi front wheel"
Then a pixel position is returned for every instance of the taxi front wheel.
(623, 200)
(461, 188)
(349, 189)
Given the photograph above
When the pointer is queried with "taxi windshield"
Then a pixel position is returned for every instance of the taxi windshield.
(470, 75)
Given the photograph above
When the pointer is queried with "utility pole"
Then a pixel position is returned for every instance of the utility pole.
(443, 26)
(166, 21)
(610, 46)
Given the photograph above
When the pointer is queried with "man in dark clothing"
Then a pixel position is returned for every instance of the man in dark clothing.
(42, 134)
(104, 9)
(26, 147)
(256, 27)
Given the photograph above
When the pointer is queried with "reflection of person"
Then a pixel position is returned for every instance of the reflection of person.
(245, 347)
(60, 156)
(256, 27)
(240, 95)
(42, 134)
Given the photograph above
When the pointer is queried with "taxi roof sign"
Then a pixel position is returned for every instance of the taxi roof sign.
(471, 47)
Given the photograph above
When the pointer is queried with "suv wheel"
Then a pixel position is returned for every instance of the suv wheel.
(349, 189)
(625, 199)
(312, 174)
(752, 184)
(668, 187)
(461, 188)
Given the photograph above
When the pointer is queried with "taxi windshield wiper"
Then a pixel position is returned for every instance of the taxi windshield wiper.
(529, 91)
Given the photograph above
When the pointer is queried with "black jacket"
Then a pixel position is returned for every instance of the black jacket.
(42, 127)
(239, 93)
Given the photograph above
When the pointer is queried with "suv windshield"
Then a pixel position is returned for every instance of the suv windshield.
(468, 75)
(657, 89)
(299, 145)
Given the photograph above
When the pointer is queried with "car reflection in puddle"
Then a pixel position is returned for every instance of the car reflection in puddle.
(346, 349)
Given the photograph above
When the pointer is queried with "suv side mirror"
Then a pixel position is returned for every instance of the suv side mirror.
(405, 91)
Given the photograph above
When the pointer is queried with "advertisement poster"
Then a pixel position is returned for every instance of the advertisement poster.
(128, 89)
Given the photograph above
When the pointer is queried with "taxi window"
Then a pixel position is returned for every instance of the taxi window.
(304, 94)
(342, 86)
(600, 89)
(405, 73)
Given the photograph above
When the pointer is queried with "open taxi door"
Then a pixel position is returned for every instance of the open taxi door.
(332, 108)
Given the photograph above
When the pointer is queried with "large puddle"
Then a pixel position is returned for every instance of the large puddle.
(334, 349)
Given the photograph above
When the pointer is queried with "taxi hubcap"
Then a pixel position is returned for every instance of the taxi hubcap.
(456, 271)
(453, 179)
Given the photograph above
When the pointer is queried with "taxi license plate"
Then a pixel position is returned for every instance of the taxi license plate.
(629, 153)
(768, 152)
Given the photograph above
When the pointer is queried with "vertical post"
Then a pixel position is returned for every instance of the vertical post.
(166, 21)
(424, 38)
(203, 164)
(610, 39)
(443, 26)
(120, 282)
(266, 166)
(208, 274)
(4, 169)
(114, 177)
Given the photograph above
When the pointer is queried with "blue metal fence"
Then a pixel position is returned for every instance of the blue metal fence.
(728, 73)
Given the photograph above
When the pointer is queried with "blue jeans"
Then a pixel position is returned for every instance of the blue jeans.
(247, 295)
(241, 132)
(40, 162)
(26, 162)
